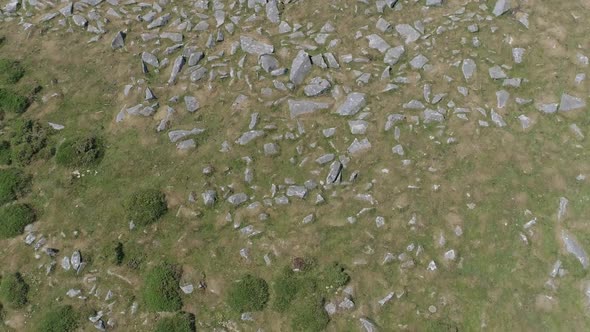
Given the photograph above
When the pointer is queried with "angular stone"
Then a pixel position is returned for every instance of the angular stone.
(383, 26)
(407, 32)
(367, 325)
(378, 43)
(354, 102)
(316, 87)
(393, 55)
(176, 68)
(185, 145)
(359, 146)
(177, 135)
(119, 41)
(150, 59)
(496, 73)
(433, 3)
(468, 68)
(302, 107)
(501, 7)
(272, 11)
(419, 61)
(335, 173)
(249, 136)
(297, 191)
(573, 247)
(253, 46)
(502, 97)
(192, 104)
(300, 67)
(237, 199)
(570, 103)
(358, 127)
(268, 62)
(209, 197)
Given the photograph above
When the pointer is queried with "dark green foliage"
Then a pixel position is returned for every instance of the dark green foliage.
(160, 289)
(14, 184)
(285, 289)
(80, 151)
(10, 71)
(29, 137)
(60, 318)
(5, 153)
(309, 315)
(119, 253)
(334, 276)
(14, 218)
(181, 322)
(248, 294)
(146, 206)
(14, 290)
(12, 102)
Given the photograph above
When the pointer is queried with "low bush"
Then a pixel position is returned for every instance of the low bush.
(119, 253)
(14, 218)
(181, 322)
(248, 294)
(14, 184)
(80, 151)
(309, 315)
(334, 276)
(60, 318)
(5, 153)
(28, 139)
(10, 71)
(161, 290)
(146, 206)
(285, 289)
(14, 290)
(12, 102)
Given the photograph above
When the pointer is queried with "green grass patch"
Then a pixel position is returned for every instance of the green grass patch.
(250, 293)
(161, 290)
(14, 290)
(309, 315)
(14, 184)
(181, 322)
(333, 276)
(12, 102)
(14, 218)
(11, 71)
(285, 289)
(80, 151)
(28, 139)
(146, 206)
(60, 318)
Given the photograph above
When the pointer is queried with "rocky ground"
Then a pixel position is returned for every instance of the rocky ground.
(435, 149)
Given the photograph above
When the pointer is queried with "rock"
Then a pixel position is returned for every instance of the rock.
(297, 191)
(76, 260)
(502, 97)
(378, 43)
(249, 136)
(358, 127)
(187, 289)
(55, 126)
(335, 173)
(518, 54)
(496, 73)
(177, 135)
(367, 325)
(501, 7)
(80, 20)
(185, 145)
(268, 62)
(354, 102)
(497, 119)
(150, 59)
(197, 74)
(330, 308)
(237, 199)
(65, 263)
(432, 116)
(192, 104)
(573, 247)
(468, 68)
(271, 149)
(209, 197)
(359, 146)
(302, 107)
(194, 58)
(393, 55)
(407, 32)
(159, 22)
(386, 299)
(73, 292)
(255, 47)
(176, 68)
(272, 11)
(419, 61)
(149, 94)
(300, 67)
(548, 108)
(383, 26)
(119, 41)
(316, 87)
(570, 103)
(346, 304)
(433, 3)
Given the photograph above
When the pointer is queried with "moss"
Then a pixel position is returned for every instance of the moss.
(14, 184)
(161, 290)
(10, 71)
(14, 218)
(80, 151)
(146, 206)
(14, 290)
(248, 294)
(181, 322)
(61, 318)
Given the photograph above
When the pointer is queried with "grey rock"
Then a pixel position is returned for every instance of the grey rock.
(496, 73)
(65, 263)
(268, 62)
(55, 126)
(497, 119)
(393, 55)
(253, 46)
(185, 145)
(271, 149)
(150, 59)
(316, 87)
(187, 289)
(358, 127)
(518, 54)
(358, 146)
(318, 60)
(332, 62)
(173, 36)
(431, 116)
(502, 97)
(468, 68)
(149, 94)
(76, 260)
(354, 102)
(548, 108)
(272, 11)
(570, 103)
(383, 26)
(367, 325)
(237, 199)
(378, 43)
(198, 73)
(335, 173)
(414, 104)
(302, 107)
(330, 308)
(573, 247)
(209, 197)
(433, 2)
(324, 159)
(502, 6)
(192, 104)
(79, 20)
(159, 22)
(249, 136)
(119, 40)
(419, 61)
(346, 304)
(194, 58)
(177, 135)
(176, 68)
(297, 191)
(407, 32)
(300, 67)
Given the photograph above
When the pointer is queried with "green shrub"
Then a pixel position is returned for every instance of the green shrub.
(10, 71)
(285, 289)
(309, 315)
(80, 151)
(5, 153)
(334, 276)
(119, 253)
(248, 294)
(14, 218)
(61, 318)
(146, 206)
(29, 138)
(14, 184)
(181, 322)
(12, 102)
(161, 289)
(14, 290)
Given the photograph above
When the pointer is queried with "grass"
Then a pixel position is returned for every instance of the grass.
(14, 290)
(12, 102)
(81, 151)
(29, 138)
(161, 290)
(146, 206)
(5, 153)
(14, 184)
(248, 294)
(10, 71)
(59, 318)
(181, 322)
(14, 218)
